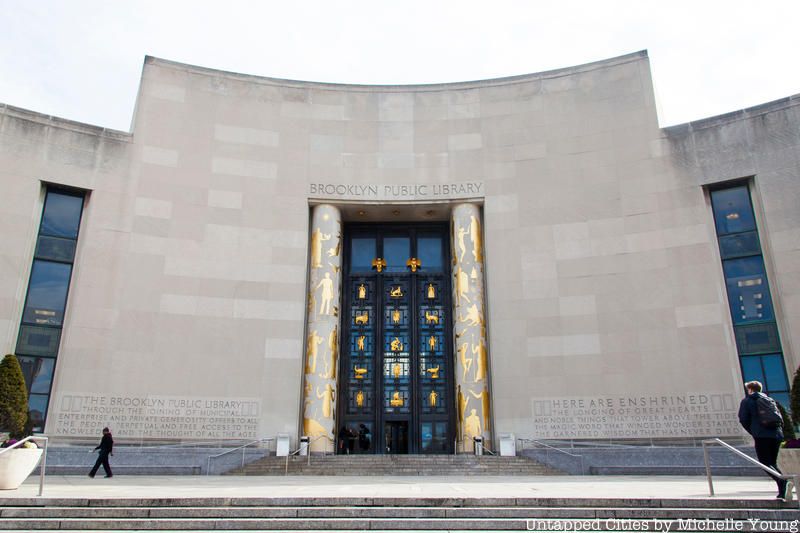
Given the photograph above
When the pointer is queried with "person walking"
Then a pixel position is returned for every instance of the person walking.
(760, 417)
(106, 447)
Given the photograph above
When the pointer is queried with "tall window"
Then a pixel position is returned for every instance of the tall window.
(752, 313)
(43, 314)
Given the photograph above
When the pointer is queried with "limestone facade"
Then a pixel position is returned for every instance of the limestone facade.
(606, 310)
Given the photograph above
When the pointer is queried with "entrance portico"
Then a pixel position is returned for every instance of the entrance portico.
(396, 357)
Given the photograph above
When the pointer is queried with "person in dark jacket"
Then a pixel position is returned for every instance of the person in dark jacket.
(106, 448)
(767, 439)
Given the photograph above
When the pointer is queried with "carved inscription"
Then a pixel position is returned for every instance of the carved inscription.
(636, 417)
(157, 417)
(472, 189)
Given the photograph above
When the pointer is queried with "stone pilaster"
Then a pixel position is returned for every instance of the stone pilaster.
(322, 335)
(469, 328)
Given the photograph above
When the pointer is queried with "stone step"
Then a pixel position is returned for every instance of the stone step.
(271, 512)
(393, 514)
(487, 520)
(387, 465)
(128, 470)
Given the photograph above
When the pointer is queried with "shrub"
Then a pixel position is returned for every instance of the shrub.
(788, 427)
(13, 397)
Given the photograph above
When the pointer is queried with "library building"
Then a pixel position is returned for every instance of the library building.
(416, 268)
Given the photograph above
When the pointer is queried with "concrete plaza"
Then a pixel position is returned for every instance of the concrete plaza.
(588, 487)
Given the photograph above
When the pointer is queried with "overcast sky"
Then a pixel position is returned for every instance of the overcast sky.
(82, 60)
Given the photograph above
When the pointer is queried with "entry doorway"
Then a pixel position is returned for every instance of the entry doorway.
(395, 436)
(396, 366)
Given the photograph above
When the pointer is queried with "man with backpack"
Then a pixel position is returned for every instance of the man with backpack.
(760, 417)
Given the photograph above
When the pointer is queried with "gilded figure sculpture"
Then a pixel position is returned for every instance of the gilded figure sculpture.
(327, 397)
(362, 292)
(326, 284)
(432, 343)
(414, 263)
(379, 264)
(432, 398)
(312, 349)
(360, 399)
(396, 345)
(396, 400)
(396, 316)
(466, 362)
(461, 405)
(462, 285)
(475, 234)
(431, 318)
(396, 292)
(461, 245)
(431, 291)
(479, 351)
(483, 396)
(333, 346)
(472, 425)
(397, 370)
(313, 428)
(433, 371)
(359, 372)
(317, 238)
(473, 317)
(363, 318)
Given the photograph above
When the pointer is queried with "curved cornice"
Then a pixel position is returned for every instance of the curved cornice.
(549, 74)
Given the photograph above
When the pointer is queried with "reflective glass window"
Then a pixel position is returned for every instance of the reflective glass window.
(740, 244)
(751, 369)
(774, 372)
(429, 251)
(362, 252)
(748, 292)
(38, 340)
(47, 293)
(55, 248)
(38, 372)
(62, 215)
(396, 251)
(782, 398)
(757, 338)
(37, 405)
(733, 212)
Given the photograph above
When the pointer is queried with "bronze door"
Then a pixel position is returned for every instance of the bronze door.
(396, 378)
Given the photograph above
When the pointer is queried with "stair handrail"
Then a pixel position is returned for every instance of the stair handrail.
(243, 447)
(42, 460)
(545, 445)
(559, 450)
(792, 480)
(307, 447)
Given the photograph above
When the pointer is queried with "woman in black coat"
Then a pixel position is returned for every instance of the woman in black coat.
(106, 446)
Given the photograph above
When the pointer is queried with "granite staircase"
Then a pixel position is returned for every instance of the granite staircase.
(397, 465)
(395, 514)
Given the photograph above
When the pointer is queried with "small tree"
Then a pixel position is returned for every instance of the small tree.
(13, 397)
(794, 395)
(788, 427)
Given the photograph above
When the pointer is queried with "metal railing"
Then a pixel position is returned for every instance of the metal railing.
(243, 447)
(549, 447)
(307, 447)
(42, 461)
(791, 479)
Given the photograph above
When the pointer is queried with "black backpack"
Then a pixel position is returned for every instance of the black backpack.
(768, 413)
